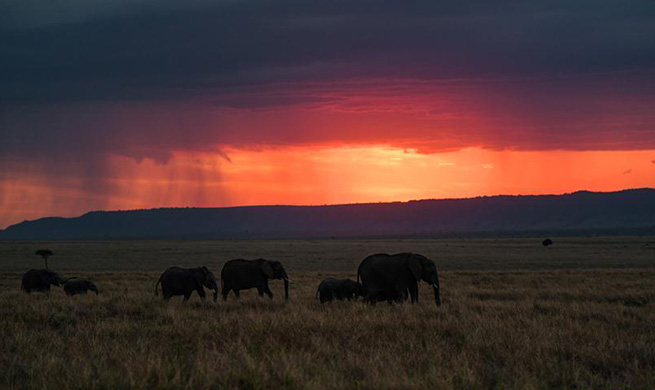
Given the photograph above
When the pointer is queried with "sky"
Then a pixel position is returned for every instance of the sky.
(122, 104)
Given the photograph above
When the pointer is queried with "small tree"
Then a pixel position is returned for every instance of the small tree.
(44, 253)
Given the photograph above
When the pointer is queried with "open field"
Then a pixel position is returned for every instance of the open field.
(514, 315)
(336, 255)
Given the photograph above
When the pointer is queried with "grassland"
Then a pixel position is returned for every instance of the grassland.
(515, 315)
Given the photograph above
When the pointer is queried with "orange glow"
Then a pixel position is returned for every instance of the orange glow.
(380, 173)
(315, 175)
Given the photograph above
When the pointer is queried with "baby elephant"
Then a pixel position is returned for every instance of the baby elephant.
(339, 289)
(79, 286)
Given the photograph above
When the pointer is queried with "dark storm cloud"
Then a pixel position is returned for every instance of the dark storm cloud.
(145, 50)
(143, 78)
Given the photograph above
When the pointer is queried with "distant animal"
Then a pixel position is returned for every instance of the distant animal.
(339, 289)
(390, 277)
(547, 242)
(242, 274)
(184, 281)
(40, 280)
(76, 286)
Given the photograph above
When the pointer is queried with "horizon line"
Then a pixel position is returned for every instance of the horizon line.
(330, 205)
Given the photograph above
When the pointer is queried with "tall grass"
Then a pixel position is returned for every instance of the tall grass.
(516, 330)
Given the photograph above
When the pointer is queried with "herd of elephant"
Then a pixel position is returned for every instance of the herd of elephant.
(384, 277)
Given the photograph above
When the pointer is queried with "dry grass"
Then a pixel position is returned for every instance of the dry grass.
(536, 327)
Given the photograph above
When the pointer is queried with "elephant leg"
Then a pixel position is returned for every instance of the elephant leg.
(260, 291)
(413, 292)
(225, 292)
(236, 293)
(186, 296)
(268, 291)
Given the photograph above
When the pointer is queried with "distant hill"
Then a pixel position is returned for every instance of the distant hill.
(622, 212)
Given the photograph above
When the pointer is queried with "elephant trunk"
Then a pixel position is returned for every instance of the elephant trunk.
(437, 297)
(214, 289)
(286, 289)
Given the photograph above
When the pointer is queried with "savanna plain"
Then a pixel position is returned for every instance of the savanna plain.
(515, 315)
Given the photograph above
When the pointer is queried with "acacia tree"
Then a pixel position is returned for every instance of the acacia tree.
(44, 253)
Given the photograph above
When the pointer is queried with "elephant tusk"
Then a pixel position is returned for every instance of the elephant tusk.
(435, 286)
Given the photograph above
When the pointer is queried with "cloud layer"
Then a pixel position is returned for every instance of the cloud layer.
(551, 67)
(162, 50)
(84, 82)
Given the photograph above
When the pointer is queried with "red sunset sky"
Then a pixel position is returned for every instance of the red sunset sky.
(242, 103)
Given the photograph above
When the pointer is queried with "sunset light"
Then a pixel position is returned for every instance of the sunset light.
(318, 175)
(326, 106)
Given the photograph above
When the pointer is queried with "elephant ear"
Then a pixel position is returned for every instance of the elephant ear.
(267, 268)
(415, 266)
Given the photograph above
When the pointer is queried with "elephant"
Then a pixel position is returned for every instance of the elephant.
(390, 296)
(547, 242)
(40, 280)
(76, 286)
(183, 281)
(242, 274)
(339, 289)
(390, 277)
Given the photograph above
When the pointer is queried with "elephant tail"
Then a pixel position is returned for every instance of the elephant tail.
(156, 285)
(360, 287)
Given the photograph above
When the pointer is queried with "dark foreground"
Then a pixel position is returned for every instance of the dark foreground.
(514, 315)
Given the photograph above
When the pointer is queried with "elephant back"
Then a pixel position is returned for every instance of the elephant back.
(40, 280)
(238, 267)
(77, 285)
